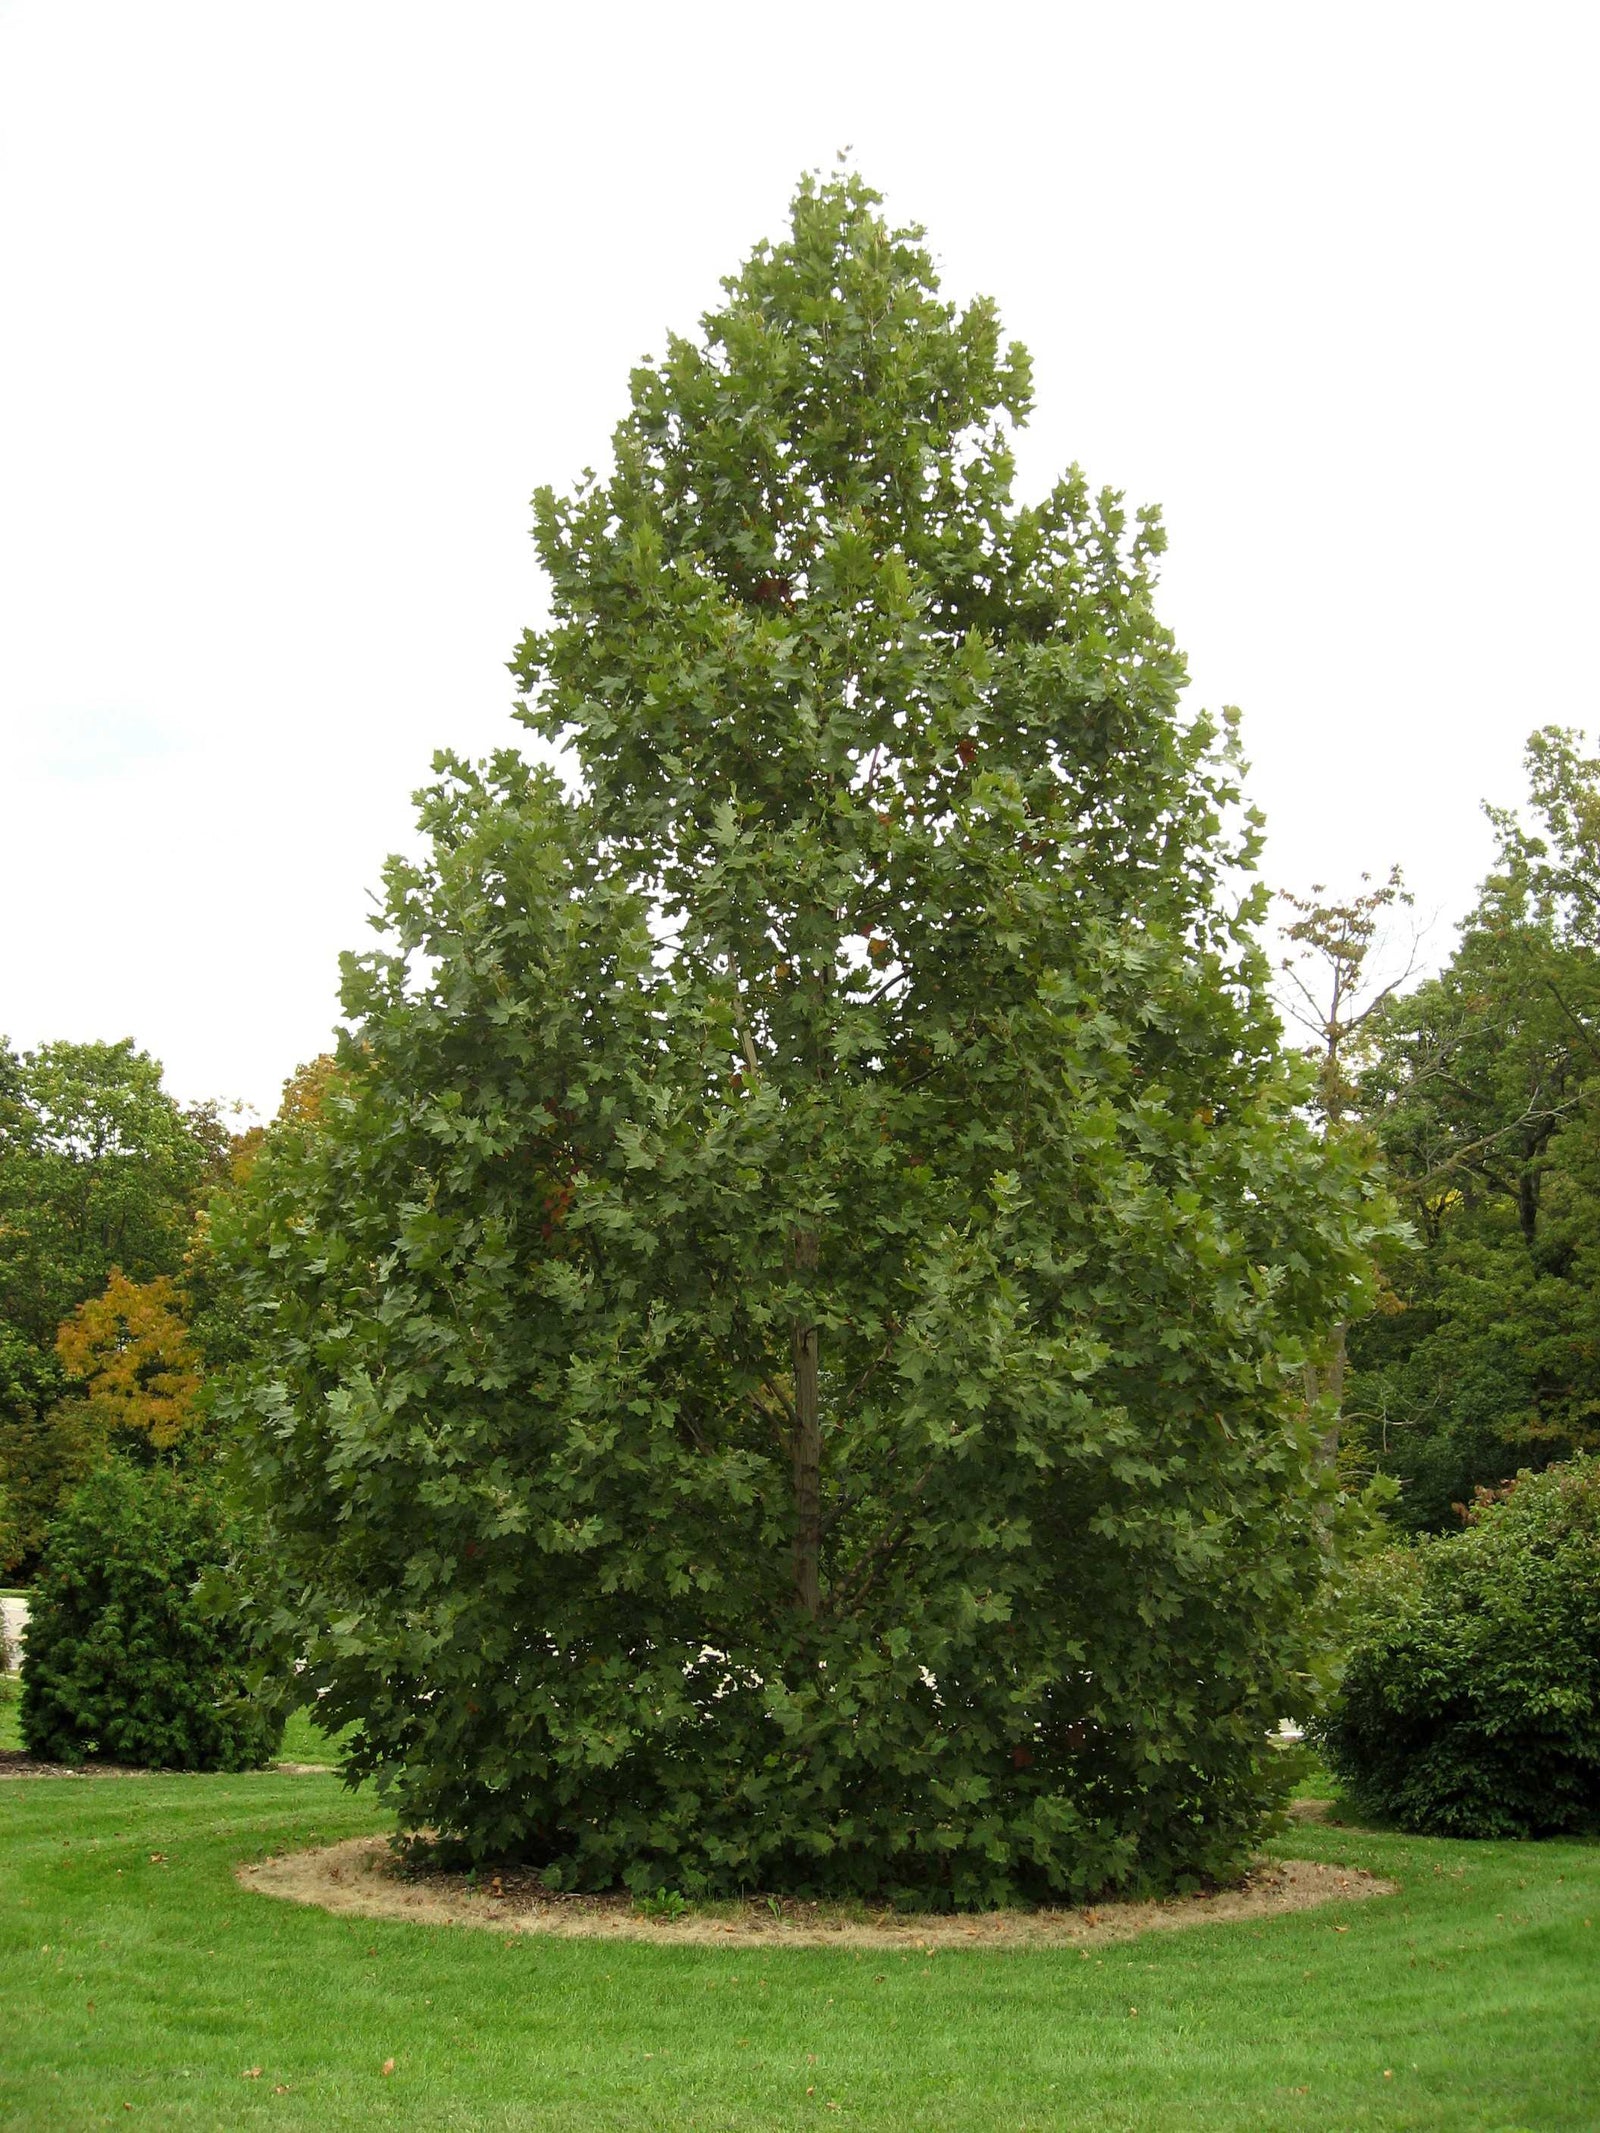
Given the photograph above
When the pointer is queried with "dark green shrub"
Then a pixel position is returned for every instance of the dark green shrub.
(1471, 1704)
(122, 1661)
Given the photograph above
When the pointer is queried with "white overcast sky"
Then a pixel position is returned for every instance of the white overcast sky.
(298, 303)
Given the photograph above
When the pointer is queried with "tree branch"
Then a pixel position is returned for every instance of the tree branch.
(1548, 1118)
(1578, 1024)
(739, 1024)
(872, 1563)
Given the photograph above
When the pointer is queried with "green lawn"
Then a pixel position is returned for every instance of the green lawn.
(134, 1984)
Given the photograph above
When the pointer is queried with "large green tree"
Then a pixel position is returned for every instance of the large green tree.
(780, 1358)
(99, 1167)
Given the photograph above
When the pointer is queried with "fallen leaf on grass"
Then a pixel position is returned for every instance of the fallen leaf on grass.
(252, 2073)
(388, 2066)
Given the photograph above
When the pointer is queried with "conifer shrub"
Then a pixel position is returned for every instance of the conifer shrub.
(122, 1661)
(1470, 1706)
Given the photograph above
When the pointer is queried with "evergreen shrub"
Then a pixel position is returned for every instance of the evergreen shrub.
(1471, 1703)
(122, 1660)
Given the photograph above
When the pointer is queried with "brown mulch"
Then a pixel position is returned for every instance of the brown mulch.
(363, 1877)
(15, 1764)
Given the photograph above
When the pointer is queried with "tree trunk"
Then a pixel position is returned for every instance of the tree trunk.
(1528, 1205)
(1328, 1378)
(807, 1448)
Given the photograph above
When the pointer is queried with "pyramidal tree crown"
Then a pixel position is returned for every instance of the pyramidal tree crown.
(780, 1363)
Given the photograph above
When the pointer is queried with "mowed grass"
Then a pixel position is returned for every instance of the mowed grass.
(137, 1980)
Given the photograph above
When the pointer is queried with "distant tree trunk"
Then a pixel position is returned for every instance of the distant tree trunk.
(807, 1448)
(1327, 1379)
(1528, 1182)
(1335, 940)
(1528, 1205)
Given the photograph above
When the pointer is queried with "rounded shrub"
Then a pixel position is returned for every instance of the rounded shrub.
(1471, 1702)
(122, 1660)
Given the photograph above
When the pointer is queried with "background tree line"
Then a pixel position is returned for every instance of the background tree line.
(111, 1314)
(1481, 1086)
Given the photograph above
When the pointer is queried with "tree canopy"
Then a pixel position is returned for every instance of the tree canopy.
(100, 1167)
(1485, 1097)
(102, 1176)
(779, 1358)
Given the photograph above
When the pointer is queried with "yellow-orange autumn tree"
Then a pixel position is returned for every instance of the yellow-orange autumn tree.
(304, 1095)
(131, 1350)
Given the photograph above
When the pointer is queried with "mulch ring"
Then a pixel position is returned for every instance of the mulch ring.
(363, 1877)
(15, 1764)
